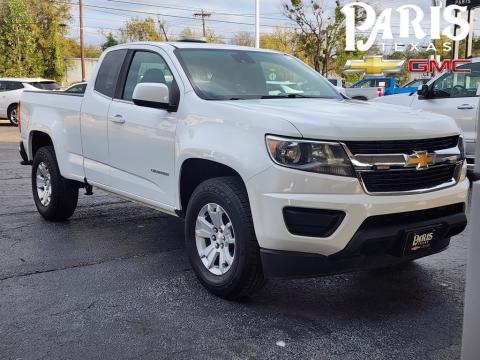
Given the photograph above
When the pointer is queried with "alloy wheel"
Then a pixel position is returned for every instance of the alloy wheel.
(215, 239)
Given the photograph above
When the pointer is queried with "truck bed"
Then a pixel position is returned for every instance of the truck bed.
(58, 114)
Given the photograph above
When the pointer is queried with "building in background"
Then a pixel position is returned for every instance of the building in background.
(73, 70)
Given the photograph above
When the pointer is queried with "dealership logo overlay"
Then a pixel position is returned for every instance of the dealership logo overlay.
(374, 65)
(411, 17)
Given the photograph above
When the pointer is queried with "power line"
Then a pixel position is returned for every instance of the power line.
(174, 16)
(203, 14)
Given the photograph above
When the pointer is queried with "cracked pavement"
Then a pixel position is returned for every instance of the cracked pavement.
(114, 283)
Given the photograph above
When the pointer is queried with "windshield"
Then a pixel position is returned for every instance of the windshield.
(242, 74)
(45, 85)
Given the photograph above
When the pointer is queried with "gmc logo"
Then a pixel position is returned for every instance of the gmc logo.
(423, 66)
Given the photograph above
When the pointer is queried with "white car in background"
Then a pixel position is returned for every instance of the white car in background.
(12, 88)
(454, 94)
(339, 84)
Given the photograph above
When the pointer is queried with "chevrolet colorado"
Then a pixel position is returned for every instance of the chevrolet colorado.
(271, 183)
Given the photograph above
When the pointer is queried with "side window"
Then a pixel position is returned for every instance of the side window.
(366, 84)
(3, 86)
(146, 67)
(382, 83)
(458, 85)
(109, 71)
(14, 85)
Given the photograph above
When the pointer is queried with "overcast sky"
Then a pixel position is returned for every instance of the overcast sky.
(228, 17)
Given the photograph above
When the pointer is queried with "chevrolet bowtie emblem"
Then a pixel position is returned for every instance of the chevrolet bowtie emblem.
(422, 159)
(374, 65)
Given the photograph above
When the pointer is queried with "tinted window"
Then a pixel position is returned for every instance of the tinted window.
(455, 85)
(146, 67)
(45, 85)
(14, 85)
(3, 86)
(108, 73)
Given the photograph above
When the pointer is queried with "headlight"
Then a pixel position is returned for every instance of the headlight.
(313, 156)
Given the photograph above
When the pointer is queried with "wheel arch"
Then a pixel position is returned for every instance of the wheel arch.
(361, 98)
(38, 139)
(194, 171)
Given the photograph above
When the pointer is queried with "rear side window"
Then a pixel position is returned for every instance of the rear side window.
(45, 85)
(14, 85)
(3, 86)
(109, 71)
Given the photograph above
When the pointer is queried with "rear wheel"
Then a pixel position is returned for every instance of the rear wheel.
(12, 114)
(220, 239)
(55, 197)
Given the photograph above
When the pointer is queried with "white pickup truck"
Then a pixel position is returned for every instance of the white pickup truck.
(271, 184)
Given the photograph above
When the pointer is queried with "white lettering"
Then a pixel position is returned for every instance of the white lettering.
(405, 22)
(383, 24)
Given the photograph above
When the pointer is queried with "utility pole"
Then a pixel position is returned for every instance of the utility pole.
(203, 14)
(257, 24)
(82, 48)
(469, 40)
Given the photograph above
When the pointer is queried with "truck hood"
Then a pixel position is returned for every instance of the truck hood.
(351, 120)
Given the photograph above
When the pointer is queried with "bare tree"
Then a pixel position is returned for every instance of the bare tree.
(319, 32)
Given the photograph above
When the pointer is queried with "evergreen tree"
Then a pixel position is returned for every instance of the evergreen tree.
(110, 41)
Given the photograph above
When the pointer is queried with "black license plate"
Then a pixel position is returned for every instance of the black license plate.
(421, 240)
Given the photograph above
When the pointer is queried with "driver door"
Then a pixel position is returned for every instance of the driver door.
(141, 140)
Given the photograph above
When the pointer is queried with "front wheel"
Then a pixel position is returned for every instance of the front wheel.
(13, 115)
(55, 197)
(220, 239)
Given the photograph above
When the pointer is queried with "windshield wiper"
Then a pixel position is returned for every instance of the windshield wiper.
(290, 96)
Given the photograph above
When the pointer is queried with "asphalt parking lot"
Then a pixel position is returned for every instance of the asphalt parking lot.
(114, 283)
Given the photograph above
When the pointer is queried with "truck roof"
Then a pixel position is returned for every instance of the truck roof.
(194, 45)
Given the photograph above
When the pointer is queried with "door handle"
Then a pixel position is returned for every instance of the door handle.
(465, 107)
(118, 119)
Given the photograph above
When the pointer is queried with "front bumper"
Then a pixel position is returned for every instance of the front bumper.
(277, 188)
(379, 242)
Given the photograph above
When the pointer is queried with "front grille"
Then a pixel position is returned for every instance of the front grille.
(401, 146)
(407, 179)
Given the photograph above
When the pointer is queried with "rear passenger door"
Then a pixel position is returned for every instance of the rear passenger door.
(142, 139)
(94, 118)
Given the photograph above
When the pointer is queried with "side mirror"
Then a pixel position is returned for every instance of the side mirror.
(423, 91)
(154, 95)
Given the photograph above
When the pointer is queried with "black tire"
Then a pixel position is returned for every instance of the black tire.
(64, 193)
(473, 176)
(245, 276)
(12, 116)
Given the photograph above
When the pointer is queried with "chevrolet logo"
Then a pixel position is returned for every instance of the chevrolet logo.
(374, 65)
(422, 159)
